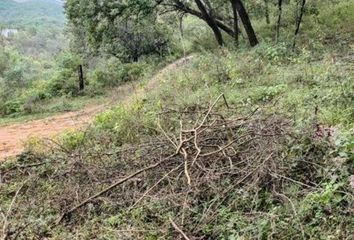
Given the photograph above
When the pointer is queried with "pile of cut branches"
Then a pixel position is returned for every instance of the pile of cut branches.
(205, 159)
(179, 181)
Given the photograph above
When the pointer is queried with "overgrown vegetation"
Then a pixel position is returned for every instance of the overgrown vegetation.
(30, 13)
(233, 143)
(39, 65)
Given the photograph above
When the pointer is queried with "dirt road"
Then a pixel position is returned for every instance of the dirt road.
(12, 136)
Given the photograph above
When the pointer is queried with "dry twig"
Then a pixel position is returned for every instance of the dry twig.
(178, 229)
(110, 188)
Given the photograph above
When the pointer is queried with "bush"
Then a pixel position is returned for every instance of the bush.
(127, 122)
(36, 145)
(12, 107)
(273, 53)
(339, 16)
(72, 139)
(65, 80)
(113, 73)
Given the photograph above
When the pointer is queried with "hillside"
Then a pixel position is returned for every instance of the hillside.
(31, 13)
(229, 120)
(31, 36)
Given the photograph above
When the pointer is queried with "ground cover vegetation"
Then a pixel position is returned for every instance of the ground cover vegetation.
(252, 139)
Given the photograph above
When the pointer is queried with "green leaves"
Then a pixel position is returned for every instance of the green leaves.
(124, 29)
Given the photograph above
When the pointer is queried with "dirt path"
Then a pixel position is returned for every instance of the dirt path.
(12, 136)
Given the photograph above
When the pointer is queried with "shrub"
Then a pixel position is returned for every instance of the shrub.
(127, 121)
(276, 54)
(12, 107)
(113, 73)
(72, 139)
(65, 80)
(36, 146)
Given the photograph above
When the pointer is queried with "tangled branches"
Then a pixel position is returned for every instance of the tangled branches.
(204, 160)
(242, 150)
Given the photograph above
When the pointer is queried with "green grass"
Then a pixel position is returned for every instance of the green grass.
(128, 137)
(311, 90)
(294, 86)
(54, 106)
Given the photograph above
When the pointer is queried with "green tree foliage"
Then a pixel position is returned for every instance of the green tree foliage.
(134, 27)
(126, 38)
(31, 13)
(14, 70)
(65, 79)
(27, 55)
(13, 67)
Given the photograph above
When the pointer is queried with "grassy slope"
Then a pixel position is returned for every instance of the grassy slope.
(313, 90)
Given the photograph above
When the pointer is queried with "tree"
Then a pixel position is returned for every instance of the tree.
(236, 26)
(266, 6)
(220, 21)
(209, 18)
(298, 21)
(109, 29)
(246, 22)
(102, 18)
(280, 10)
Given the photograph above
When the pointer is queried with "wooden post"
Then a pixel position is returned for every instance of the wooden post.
(81, 79)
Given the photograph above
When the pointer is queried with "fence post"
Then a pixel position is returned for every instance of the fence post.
(81, 79)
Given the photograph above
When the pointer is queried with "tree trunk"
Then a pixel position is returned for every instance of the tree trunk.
(280, 12)
(246, 22)
(236, 27)
(81, 79)
(209, 7)
(298, 22)
(266, 6)
(211, 22)
(182, 7)
(181, 26)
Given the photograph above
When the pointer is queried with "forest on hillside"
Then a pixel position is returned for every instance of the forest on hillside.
(31, 13)
(29, 52)
(223, 119)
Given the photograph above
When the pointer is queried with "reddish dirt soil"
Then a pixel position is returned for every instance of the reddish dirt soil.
(13, 136)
